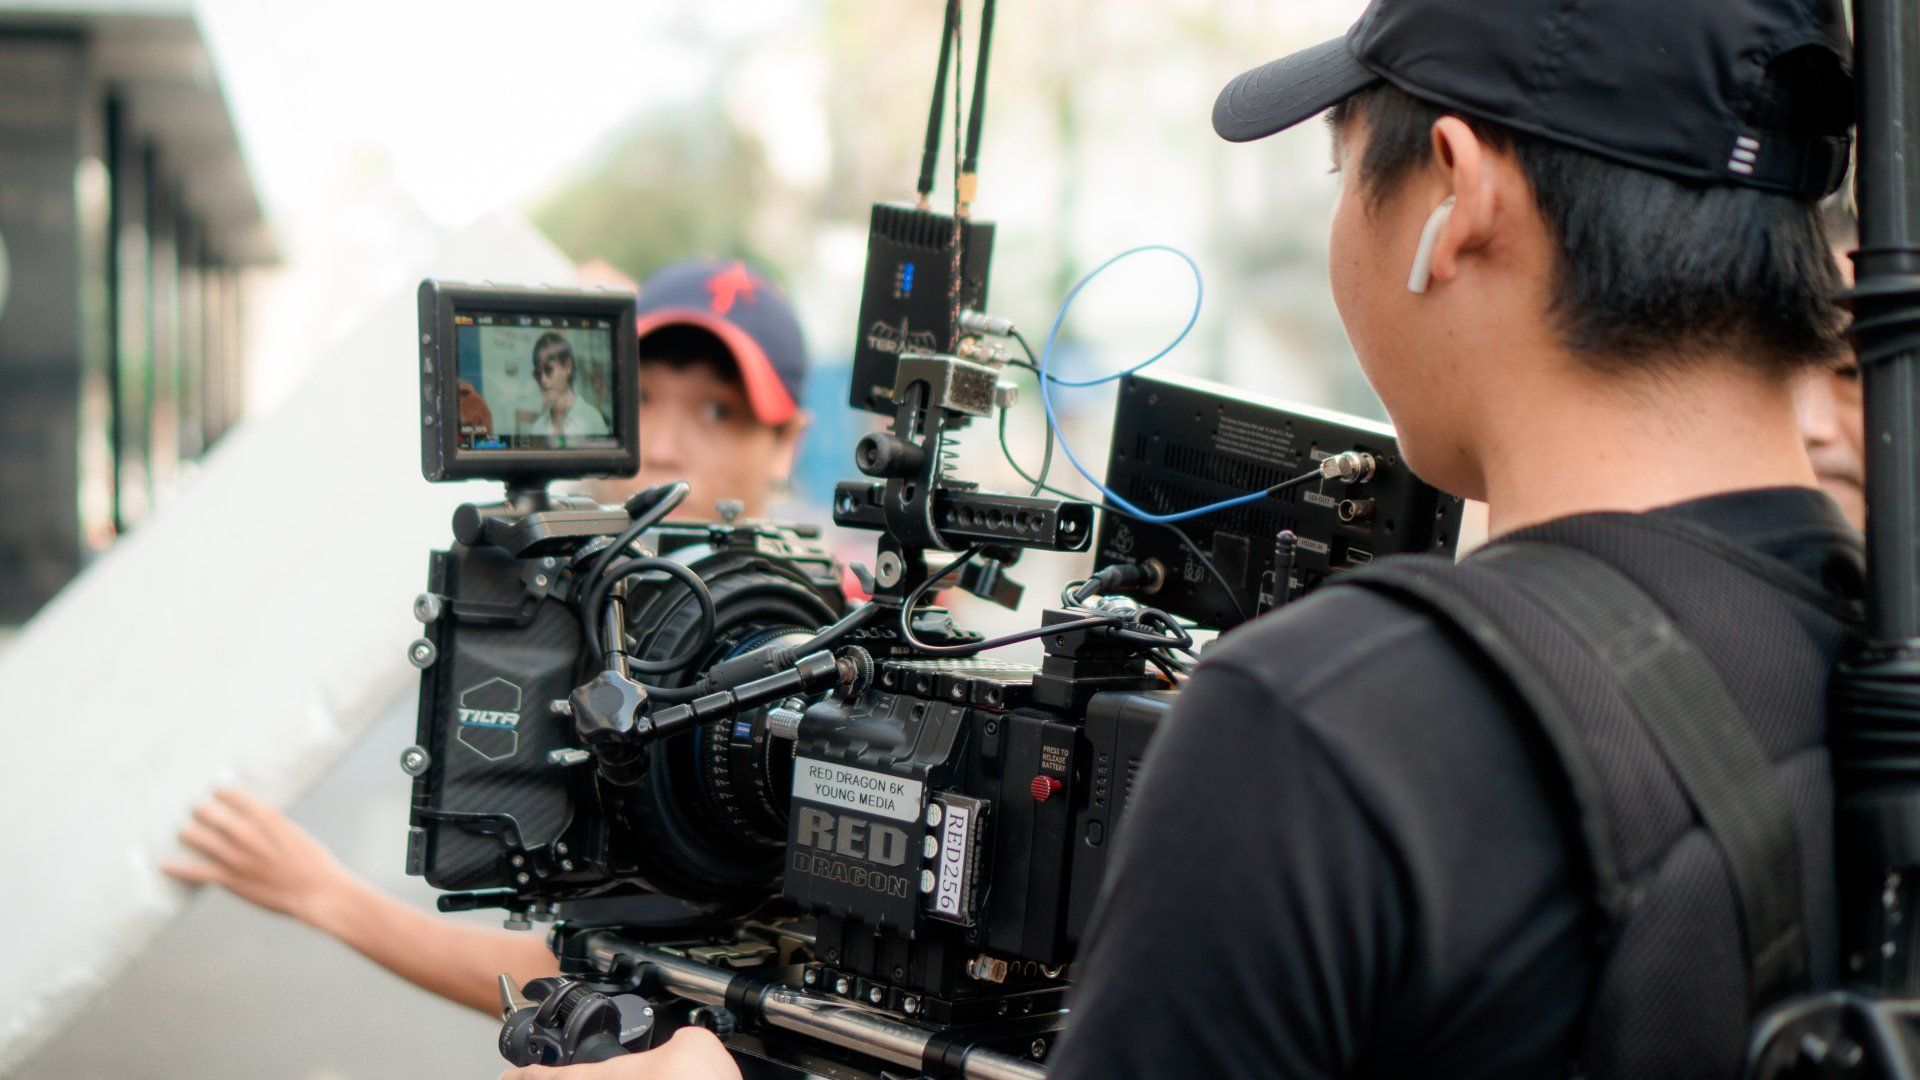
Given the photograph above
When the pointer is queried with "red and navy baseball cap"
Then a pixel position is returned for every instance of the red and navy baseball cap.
(748, 313)
(1755, 93)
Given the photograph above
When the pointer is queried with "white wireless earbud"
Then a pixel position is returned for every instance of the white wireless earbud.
(1423, 255)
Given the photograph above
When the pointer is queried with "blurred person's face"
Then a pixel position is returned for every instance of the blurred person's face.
(697, 425)
(1827, 401)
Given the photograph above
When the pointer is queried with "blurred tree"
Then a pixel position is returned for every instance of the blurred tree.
(675, 185)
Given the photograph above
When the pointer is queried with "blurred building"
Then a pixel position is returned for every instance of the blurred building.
(127, 220)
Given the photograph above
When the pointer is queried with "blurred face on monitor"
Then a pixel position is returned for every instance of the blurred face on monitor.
(553, 369)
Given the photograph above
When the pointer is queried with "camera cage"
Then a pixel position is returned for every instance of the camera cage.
(441, 457)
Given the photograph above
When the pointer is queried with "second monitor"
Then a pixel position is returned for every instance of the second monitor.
(1180, 442)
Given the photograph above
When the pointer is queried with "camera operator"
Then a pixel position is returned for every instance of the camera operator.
(1612, 295)
(722, 369)
(1349, 852)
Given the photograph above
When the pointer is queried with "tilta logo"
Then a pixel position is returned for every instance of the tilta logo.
(494, 703)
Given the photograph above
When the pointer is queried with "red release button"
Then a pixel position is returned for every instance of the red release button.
(1043, 787)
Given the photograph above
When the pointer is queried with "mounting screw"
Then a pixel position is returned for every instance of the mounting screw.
(888, 568)
(426, 607)
(523, 877)
(1038, 1049)
(841, 986)
(421, 654)
(911, 1006)
(518, 860)
(987, 969)
(539, 581)
(560, 848)
(810, 977)
(876, 995)
(414, 761)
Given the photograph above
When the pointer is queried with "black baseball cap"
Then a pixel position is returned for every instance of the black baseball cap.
(1756, 93)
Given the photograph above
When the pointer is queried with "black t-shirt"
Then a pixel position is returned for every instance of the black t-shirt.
(1342, 859)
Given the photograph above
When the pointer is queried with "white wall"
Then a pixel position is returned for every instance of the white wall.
(245, 633)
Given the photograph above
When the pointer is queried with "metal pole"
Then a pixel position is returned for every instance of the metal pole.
(1887, 316)
(1875, 715)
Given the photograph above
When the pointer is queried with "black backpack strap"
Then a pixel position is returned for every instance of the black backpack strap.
(1686, 708)
(1427, 583)
(1847, 605)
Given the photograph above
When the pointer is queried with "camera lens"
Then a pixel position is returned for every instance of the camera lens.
(707, 821)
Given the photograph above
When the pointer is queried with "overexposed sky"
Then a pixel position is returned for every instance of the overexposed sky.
(477, 104)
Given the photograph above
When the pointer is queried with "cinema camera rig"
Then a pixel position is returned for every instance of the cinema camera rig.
(844, 837)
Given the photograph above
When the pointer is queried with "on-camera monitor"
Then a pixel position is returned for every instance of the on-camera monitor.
(536, 381)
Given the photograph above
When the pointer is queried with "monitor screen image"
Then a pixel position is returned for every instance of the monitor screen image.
(535, 382)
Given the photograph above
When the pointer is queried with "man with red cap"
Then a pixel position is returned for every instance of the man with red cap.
(723, 367)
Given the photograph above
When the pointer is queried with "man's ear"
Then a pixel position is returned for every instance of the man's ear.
(1467, 168)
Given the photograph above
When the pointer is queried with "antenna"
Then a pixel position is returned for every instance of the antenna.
(970, 163)
(931, 152)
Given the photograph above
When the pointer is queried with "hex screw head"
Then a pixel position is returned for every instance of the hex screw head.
(414, 761)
